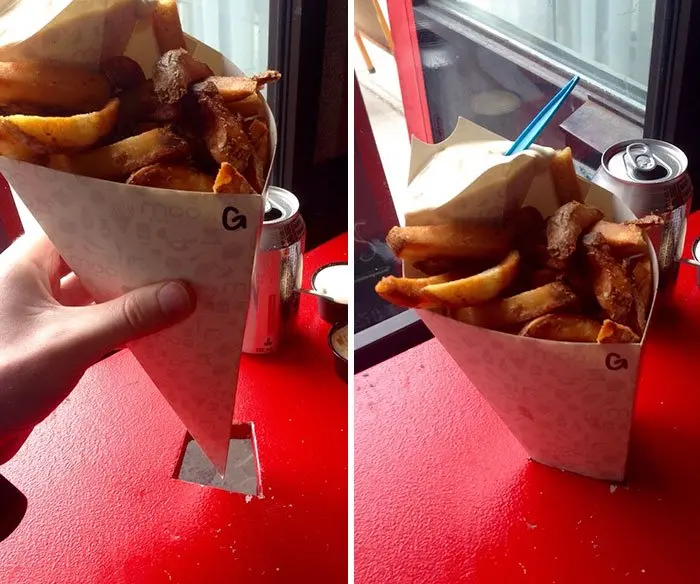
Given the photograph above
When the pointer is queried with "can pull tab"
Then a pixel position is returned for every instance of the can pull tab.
(642, 164)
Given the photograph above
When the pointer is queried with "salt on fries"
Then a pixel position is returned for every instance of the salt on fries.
(574, 277)
(184, 128)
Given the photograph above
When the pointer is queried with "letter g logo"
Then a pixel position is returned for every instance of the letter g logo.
(233, 220)
(614, 362)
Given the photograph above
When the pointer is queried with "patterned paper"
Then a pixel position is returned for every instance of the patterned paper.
(568, 404)
(117, 237)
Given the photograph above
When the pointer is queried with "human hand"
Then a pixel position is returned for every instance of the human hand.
(50, 333)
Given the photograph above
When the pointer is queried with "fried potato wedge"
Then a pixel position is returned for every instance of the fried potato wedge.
(249, 107)
(260, 159)
(53, 85)
(174, 72)
(11, 148)
(167, 27)
(475, 289)
(229, 180)
(519, 309)
(407, 291)
(238, 88)
(172, 176)
(642, 290)
(436, 267)
(563, 173)
(611, 284)
(646, 222)
(117, 161)
(613, 332)
(224, 135)
(565, 226)
(453, 240)
(623, 239)
(643, 280)
(563, 327)
(122, 73)
(54, 134)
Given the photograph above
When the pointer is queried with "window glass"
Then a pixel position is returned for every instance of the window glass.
(239, 29)
(610, 40)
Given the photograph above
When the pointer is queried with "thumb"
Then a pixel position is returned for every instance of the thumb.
(136, 314)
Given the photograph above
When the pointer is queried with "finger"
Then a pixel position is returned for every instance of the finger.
(37, 250)
(72, 292)
(136, 314)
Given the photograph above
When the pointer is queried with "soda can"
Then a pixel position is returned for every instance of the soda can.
(651, 177)
(277, 273)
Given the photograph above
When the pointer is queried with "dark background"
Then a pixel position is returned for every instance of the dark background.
(310, 48)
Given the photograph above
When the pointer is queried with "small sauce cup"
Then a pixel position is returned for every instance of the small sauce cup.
(338, 341)
(335, 282)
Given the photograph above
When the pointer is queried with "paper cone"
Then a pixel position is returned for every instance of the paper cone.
(117, 237)
(569, 404)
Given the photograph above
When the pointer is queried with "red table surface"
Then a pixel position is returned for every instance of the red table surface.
(103, 506)
(444, 493)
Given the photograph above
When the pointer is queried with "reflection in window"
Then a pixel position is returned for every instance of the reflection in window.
(608, 40)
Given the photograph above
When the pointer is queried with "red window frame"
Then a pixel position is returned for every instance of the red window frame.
(408, 63)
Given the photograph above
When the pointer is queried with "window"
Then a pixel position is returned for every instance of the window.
(497, 63)
(238, 29)
(608, 41)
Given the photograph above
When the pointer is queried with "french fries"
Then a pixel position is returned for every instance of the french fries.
(573, 277)
(53, 85)
(564, 177)
(611, 285)
(570, 328)
(475, 289)
(229, 180)
(224, 135)
(564, 228)
(623, 239)
(250, 107)
(238, 88)
(174, 72)
(612, 332)
(166, 26)
(183, 128)
(409, 291)
(53, 134)
(260, 157)
(643, 281)
(516, 310)
(119, 160)
(172, 176)
(449, 241)
(438, 266)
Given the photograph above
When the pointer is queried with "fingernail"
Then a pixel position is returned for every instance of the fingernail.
(175, 299)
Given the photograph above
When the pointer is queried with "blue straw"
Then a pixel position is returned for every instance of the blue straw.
(540, 121)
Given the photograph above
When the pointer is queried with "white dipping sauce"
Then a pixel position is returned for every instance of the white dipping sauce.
(339, 340)
(334, 282)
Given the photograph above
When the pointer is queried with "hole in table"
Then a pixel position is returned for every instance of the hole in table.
(242, 469)
(13, 506)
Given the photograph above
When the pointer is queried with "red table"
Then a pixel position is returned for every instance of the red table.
(444, 493)
(104, 506)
